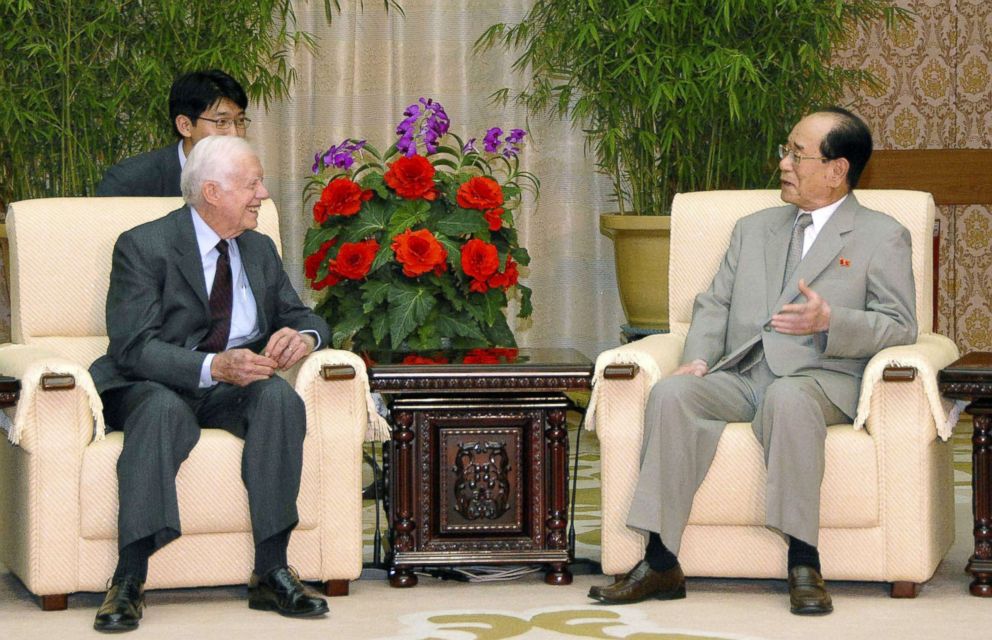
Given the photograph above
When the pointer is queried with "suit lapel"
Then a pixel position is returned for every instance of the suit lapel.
(776, 252)
(251, 262)
(188, 259)
(827, 246)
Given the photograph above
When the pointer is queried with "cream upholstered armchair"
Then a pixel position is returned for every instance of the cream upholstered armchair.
(887, 504)
(58, 483)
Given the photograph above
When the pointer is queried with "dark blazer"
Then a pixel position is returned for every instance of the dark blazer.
(153, 173)
(861, 264)
(157, 305)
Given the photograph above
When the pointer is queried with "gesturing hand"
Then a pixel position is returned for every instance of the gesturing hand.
(696, 368)
(803, 318)
(241, 367)
(287, 346)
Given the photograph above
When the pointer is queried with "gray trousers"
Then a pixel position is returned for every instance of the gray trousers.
(684, 420)
(162, 426)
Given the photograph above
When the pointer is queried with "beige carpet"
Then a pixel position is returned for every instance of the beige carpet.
(527, 608)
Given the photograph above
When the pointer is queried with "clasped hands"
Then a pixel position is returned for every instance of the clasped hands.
(797, 319)
(241, 367)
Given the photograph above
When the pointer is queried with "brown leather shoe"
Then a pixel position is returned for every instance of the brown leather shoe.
(643, 582)
(808, 593)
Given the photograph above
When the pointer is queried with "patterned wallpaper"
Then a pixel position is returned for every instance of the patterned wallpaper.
(935, 92)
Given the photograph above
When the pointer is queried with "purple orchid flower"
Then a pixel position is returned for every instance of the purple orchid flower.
(341, 156)
(470, 147)
(491, 141)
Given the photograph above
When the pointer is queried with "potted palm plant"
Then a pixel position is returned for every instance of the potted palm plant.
(678, 96)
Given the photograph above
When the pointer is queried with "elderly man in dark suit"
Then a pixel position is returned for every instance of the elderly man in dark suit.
(200, 316)
(201, 104)
(806, 294)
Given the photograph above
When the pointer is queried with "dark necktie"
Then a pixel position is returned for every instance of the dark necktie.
(221, 300)
(796, 246)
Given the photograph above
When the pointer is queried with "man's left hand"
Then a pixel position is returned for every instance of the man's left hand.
(812, 316)
(288, 346)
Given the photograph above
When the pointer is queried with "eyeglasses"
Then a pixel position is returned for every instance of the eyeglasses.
(223, 124)
(784, 150)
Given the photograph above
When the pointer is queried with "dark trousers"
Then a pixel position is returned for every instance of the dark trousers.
(161, 427)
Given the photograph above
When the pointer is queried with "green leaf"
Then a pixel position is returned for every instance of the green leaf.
(525, 305)
(460, 324)
(315, 237)
(374, 292)
(369, 221)
(520, 255)
(498, 334)
(408, 306)
(344, 329)
(408, 215)
(380, 327)
(458, 222)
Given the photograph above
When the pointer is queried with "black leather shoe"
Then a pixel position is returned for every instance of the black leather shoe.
(122, 606)
(280, 590)
(643, 582)
(808, 593)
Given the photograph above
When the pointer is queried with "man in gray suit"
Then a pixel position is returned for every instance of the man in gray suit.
(200, 316)
(201, 104)
(805, 295)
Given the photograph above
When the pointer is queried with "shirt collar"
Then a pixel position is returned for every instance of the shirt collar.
(821, 215)
(206, 238)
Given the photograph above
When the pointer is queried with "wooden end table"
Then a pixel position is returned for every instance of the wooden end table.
(477, 466)
(970, 378)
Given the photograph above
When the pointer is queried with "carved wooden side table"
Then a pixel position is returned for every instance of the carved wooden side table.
(478, 459)
(970, 378)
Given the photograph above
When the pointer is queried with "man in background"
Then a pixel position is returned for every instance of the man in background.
(201, 104)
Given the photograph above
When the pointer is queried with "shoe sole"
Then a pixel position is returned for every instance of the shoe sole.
(677, 594)
(814, 610)
(116, 627)
(268, 606)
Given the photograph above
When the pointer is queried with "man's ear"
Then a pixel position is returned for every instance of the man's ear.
(184, 126)
(838, 171)
(211, 192)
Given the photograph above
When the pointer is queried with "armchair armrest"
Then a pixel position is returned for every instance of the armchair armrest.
(628, 373)
(895, 366)
(51, 385)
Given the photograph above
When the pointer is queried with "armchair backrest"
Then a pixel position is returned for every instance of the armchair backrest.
(703, 221)
(60, 258)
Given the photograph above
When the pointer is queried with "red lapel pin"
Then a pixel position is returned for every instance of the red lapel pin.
(844, 262)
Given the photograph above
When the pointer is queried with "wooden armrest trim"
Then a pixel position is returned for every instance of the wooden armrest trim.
(620, 371)
(57, 381)
(337, 372)
(899, 374)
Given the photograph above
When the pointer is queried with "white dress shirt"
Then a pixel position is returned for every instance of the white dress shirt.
(244, 312)
(820, 217)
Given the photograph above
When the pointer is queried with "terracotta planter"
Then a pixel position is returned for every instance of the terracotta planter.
(641, 250)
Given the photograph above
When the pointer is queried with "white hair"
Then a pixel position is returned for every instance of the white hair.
(212, 159)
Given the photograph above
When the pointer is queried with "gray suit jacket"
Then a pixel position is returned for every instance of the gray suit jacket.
(158, 310)
(153, 173)
(860, 263)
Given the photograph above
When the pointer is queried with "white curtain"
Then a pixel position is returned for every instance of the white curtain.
(368, 67)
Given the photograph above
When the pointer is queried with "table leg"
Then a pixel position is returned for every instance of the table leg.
(980, 564)
(557, 434)
(403, 524)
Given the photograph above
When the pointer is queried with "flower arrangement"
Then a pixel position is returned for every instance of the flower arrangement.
(414, 250)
